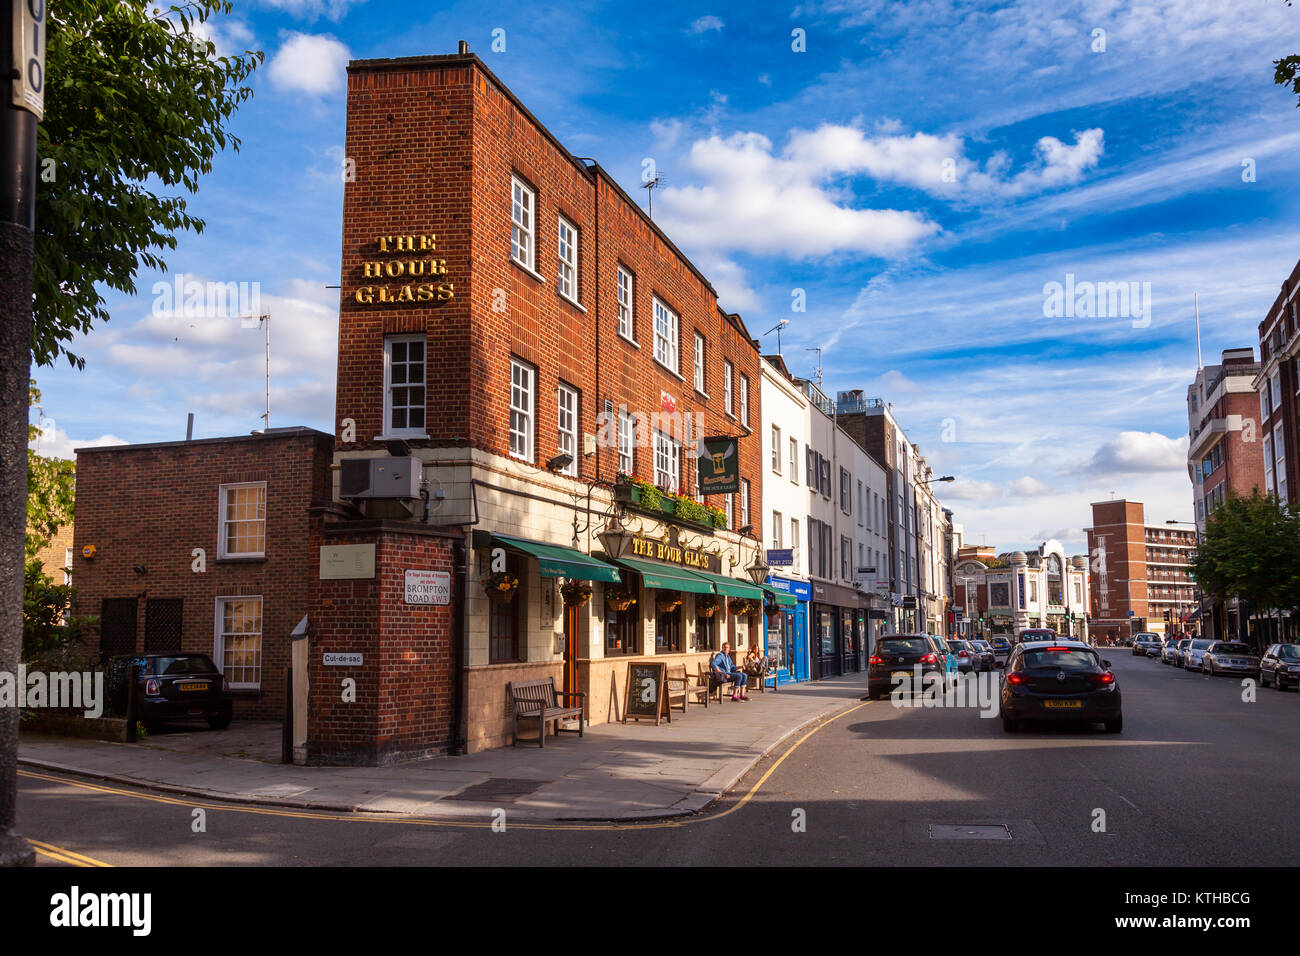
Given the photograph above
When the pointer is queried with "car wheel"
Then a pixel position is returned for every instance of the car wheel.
(1263, 679)
(1115, 726)
(219, 723)
(1277, 682)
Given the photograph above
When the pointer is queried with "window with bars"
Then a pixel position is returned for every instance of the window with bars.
(522, 199)
(243, 520)
(568, 416)
(522, 394)
(404, 368)
(566, 269)
(239, 640)
(666, 326)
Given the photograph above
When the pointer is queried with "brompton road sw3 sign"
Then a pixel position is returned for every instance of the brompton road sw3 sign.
(428, 587)
(409, 261)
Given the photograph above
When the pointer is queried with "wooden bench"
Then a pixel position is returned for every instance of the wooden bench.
(707, 681)
(765, 674)
(539, 700)
(678, 686)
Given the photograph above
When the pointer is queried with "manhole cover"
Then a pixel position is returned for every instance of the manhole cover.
(969, 831)
(498, 790)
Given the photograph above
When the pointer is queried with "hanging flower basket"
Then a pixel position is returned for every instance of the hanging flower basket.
(667, 603)
(706, 605)
(619, 599)
(501, 587)
(741, 606)
(576, 593)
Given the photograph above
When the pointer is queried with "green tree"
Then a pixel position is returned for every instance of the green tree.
(51, 489)
(53, 638)
(1286, 71)
(1251, 551)
(137, 105)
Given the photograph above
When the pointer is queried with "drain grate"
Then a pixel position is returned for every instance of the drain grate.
(498, 790)
(970, 831)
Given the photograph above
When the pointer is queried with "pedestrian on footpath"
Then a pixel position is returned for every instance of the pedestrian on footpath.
(727, 672)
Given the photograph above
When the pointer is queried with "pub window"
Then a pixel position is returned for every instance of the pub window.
(522, 378)
(503, 620)
(568, 427)
(522, 200)
(668, 631)
(566, 269)
(706, 633)
(242, 532)
(404, 366)
(622, 628)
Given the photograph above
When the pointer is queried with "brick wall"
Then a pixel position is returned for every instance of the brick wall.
(151, 505)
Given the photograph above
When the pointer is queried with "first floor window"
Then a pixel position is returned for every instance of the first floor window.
(522, 391)
(239, 640)
(567, 414)
(668, 458)
(776, 529)
(744, 503)
(404, 365)
(728, 506)
(626, 442)
(794, 535)
(243, 520)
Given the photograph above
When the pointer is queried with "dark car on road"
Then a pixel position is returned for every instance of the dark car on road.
(985, 659)
(1062, 680)
(1280, 666)
(170, 687)
(1146, 645)
(906, 655)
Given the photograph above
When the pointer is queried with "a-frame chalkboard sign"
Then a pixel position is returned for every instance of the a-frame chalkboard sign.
(645, 692)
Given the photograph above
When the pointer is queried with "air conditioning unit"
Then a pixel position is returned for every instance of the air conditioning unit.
(380, 478)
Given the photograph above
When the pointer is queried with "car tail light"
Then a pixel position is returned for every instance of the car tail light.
(151, 687)
(1104, 678)
(929, 659)
(1015, 678)
(873, 659)
(962, 654)
(1057, 648)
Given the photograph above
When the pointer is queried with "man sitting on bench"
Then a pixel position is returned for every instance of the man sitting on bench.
(725, 671)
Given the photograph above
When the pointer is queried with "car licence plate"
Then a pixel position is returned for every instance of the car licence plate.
(900, 674)
(1065, 704)
(193, 687)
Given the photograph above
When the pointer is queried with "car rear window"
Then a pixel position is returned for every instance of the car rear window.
(186, 664)
(915, 645)
(1231, 649)
(1201, 645)
(1063, 657)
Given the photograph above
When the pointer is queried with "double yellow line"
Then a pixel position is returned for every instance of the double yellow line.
(64, 855)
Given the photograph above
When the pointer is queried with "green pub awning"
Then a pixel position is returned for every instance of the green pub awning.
(666, 577)
(732, 587)
(559, 562)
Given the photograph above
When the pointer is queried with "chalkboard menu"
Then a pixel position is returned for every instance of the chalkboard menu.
(645, 691)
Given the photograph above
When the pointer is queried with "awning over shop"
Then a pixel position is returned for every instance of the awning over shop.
(783, 598)
(666, 577)
(560, 562)
(732, 587)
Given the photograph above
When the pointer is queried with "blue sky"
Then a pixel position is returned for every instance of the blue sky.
(920, 171)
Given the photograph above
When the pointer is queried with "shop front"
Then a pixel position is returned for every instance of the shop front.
(786, 615)
(835, 636)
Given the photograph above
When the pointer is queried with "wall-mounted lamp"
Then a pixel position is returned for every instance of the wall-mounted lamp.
(560, 461)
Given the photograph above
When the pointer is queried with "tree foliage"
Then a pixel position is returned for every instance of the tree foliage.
(1251, 550)
(51, 489)
(52, 636)
(137, 105)
(1286, 71)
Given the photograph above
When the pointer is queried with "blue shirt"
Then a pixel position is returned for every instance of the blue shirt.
(723, 663)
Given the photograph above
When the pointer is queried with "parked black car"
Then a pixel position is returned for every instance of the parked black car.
(170, 687)
(903, 654)
(1059, 680)
(1280, 666)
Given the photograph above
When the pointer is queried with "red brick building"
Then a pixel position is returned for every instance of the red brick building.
(1278, 387)
(200, 546)
(1225, 439)
(512, 319)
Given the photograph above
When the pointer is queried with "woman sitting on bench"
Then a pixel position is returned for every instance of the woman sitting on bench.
(725, 671)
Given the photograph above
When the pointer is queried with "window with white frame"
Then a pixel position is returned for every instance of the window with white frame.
(727, 372)
(699, 363)
(744, 400)
(794, 460)
(1275, 384)
(1264, 408)
(626, 442)
(1279, 461)
(776, 449)
(566, 269)
(567, 415)
(668, 461)
(776, 529)
(626, 300)
(861, 508)
(238, 648)
(729, 509)
(666, 324)
(404, 367)
(744, 502)
(794, 535)
(242, 533)
(522, 404)
(1268, 464)
(522, 201)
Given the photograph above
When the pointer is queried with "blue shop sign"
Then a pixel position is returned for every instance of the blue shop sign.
(800, 589)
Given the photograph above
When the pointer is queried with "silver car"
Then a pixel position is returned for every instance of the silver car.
(1195, 651)
(1229, 657)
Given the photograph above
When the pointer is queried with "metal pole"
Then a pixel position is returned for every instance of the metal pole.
(266, 322)
(23, 82)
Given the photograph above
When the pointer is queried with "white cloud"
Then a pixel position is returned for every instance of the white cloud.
(964, 489)
(1140, 452)
(666, 132)
(54, 442)
(1028, 487)
(705, 24)
(313, 64)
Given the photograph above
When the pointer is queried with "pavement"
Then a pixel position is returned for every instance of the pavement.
(631, 771)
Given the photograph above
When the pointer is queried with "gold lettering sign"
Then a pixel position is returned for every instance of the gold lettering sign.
(670, 553)
(420, 275)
